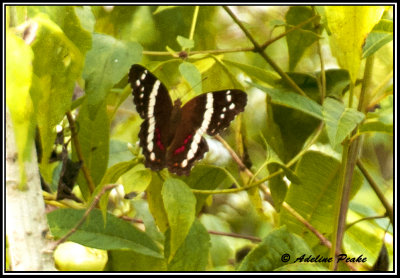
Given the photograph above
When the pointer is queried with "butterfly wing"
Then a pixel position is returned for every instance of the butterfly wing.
(154, 105)
(208, 113)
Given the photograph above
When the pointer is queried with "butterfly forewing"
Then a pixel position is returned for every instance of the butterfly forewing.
(227, 105)
(154, 105)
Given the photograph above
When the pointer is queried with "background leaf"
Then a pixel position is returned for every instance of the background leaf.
(106, 63)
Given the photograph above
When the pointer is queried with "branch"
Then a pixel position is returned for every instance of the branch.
(259, 50)
(378, 192)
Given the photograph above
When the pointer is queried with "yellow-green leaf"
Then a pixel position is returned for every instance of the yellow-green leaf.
(349, 27)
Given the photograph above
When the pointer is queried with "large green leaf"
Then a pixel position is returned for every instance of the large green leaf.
(94, 141)
(339, 120)
(192, 255)
(267, 256)
(349, 26)
(156, 203)
(115, 234)
(57, 64)
(180, 206)
(314, 198)
(66, 17)
(106, 64)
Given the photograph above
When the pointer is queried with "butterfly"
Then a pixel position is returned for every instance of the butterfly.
(171, 136)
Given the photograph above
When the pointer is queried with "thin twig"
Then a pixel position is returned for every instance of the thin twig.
(79, 153)
(378, 192)
(85, 215)
(298, 26)
(252, 238)
(259, 50)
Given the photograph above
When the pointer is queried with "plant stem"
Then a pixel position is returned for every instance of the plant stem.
(351, 150)
(74, 135)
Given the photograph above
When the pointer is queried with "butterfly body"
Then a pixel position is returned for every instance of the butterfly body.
(171, 135)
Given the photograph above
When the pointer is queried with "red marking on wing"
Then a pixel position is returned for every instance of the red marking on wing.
(179, 150)
(158, 142)
(182, 148)
(187, 139)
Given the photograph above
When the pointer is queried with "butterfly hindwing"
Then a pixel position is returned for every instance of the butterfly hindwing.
(154, 105)
(202, 115)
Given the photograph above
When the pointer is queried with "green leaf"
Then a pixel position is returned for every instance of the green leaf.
(115, 234)
(356, 237)
(185, 43)
(19, 102)
(337, 80)
(74, 26)
(137, 179)
(119, 260)
(204, 177)
(349, 26)
(314, 198)
(180, 206)
(302, 267)
(380, 35)
(267, 256)
(339, 121)
(57, 64)
(106, 64)
(110, 177)
(156, 203)
(255, 73)
(293, 100)
(221, 249)
(192, 254)
(299, 40)
(192, 76)
(94, 140)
